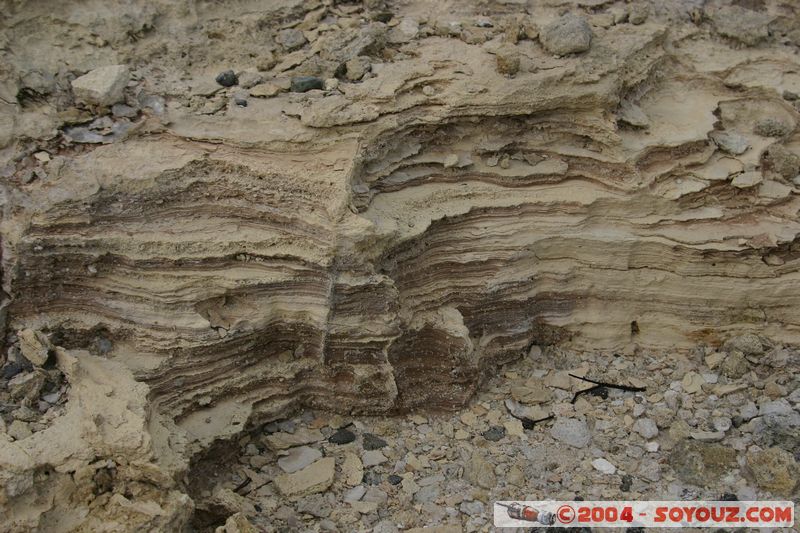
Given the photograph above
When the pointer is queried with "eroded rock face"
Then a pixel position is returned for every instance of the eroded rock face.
(75, 473)
(379, 245)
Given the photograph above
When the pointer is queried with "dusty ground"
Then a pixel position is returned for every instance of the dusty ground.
(218, 216)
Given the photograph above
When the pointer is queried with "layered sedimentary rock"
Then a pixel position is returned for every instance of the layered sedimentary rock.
(382, 245)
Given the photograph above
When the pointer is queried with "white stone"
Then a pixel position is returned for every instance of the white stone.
(355, 494)
(451, 160)
(571, 431)
(707, 436)
(693, 382)
(604, 466)
(646, 428)
(102, 86)
(722, 423)
(314, 478)
(298, 459)
(774, 190)
(373, 458)
(747, 179)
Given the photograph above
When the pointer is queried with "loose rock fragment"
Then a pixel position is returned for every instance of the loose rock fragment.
(373, 458)
(19, 430)
(772, 127)
(298, 459)
(604, 466)
(356, 68)
(646, 428)
(342, 436)
(314, 478)
(282, 441)
(748, 344)
(745, 180)
(782, 161)
(26, 386)
(372, 442)
(494, 433)
(571, 431)
(303, 84)
(352, 469)
(507, 61)
(632, 114)
(730, 142)
(775, 470)
(227, 78)
(569, 34)
(702, 463)
(291, 39)
(741, 24)
(102, 86)
(34, 346)
(480, 472)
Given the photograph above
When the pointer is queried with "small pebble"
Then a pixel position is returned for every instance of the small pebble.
(301, 84)
(494, 433)
(227, 78)
(342, 436)
(373, 442)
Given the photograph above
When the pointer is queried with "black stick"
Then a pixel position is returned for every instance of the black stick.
(602, 384)
(529, 423)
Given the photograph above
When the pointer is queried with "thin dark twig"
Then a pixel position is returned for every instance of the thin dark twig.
(528, 423)
(602, 384)
(243, 484)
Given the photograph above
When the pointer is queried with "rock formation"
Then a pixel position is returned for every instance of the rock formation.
(455, 197)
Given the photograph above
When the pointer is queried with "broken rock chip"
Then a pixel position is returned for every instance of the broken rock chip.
(298, 458)
(571, 431)
(730, 142)
(102, 86)
(692, 382)
(508, 61)
(774, 470)
(373, 458)
(314, 478)
(352, 469)
(740, 24)
(237, 523)
(632, 114)
(34, 346)
(772, 127)
(646, 428)
(749, 344)
(746, 180)
(26, 386)
(531, 392)
(702, 463)
(480, 472)
(342, 436)
(291, 39)
(569, 34)
(372, 442)
(301, 84)
(604, 466)
(282, 441)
